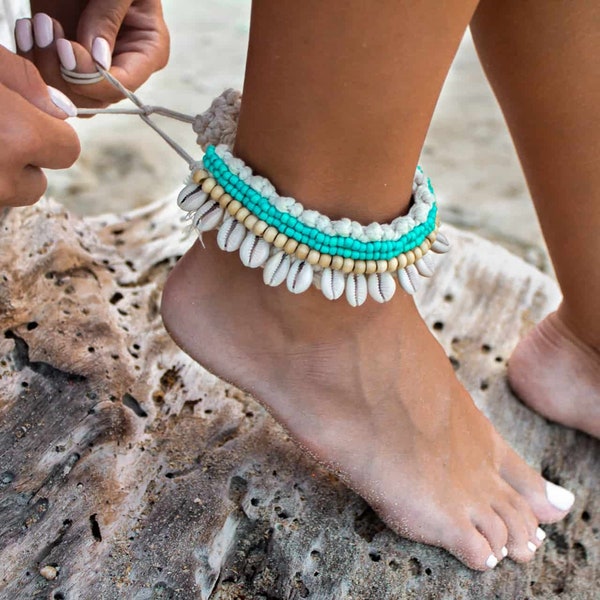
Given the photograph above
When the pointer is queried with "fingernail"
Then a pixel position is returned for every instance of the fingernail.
(491, 562)
(66, 55)
(504, 551)
(540, 534)
(559, 497)
(24, 35)
(101, 52)
(532, 547)
(43, 29)
(62, 102)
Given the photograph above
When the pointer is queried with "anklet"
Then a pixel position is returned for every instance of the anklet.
(299, 246)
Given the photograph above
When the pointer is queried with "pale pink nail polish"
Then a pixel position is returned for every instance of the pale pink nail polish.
(43, 30)
(101, 52)
(24, 35)
(64, 103)
(66, 55)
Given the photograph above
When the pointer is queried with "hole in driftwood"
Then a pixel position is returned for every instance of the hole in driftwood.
(95, 528)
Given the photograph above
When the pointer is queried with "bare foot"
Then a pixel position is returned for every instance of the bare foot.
(371, 395)
(558, 375)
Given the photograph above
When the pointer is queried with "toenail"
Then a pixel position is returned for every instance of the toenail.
(558, 496)
(491, 562)
(540, 534)
(532, 547)
(504, 551)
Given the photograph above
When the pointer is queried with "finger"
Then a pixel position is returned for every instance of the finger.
(30, 187)
(99, 26)
(22, 77)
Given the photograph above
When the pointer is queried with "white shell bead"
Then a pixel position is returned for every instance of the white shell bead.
(277, 268)
(356, 289)
(425, 265)
(409, 279)
(191, 197)
(381, 286)
(441, 244)
(208, 216)
(299, 277)
(254, 251)
(231, 235)
(332, 284)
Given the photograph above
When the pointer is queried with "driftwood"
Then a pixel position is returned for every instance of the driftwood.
(127, 471)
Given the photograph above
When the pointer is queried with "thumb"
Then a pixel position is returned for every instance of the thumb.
(98, 27)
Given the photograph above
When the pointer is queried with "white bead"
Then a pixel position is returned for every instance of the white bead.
(409, 279)
(425, 265)
(441, 244)
(191, 197)
(231, 235)
(254, 251)
(356, 289)
(277, 268)
(381, 286)
(299, 277)
(208, 216)
(332, 283)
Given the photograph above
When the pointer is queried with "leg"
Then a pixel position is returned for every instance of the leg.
(542, 60)
(323, 95)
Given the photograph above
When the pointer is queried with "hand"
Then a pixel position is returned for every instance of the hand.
(33, 133)
(129, 37)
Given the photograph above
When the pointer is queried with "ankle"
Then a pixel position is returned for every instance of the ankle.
(569, 326)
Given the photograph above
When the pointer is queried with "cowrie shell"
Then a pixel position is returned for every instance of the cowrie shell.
(299, 277)
(333, 283)
(277, 269)
(356, 289)
(381, 286)
(425, 265)
(441, 244)
(409, 279)
(208, 216)
(191, 197)
(254, 251)
(231, 235)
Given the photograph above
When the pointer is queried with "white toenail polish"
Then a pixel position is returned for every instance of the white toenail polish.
(491, 562)
(504, 551)
(532, 547)
(540, 534)
(558, 496)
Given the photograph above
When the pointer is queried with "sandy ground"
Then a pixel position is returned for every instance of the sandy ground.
(468, 153)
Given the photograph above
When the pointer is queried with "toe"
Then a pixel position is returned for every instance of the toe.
(493, 528)
(549, 502)
(471, 547)
(521, 542)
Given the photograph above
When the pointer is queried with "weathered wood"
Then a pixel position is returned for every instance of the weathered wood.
(136, 474)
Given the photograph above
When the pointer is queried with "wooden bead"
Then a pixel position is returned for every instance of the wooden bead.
(302, 251)
(280, 240)
(208, 185)
(418, 253)
(393, 264)
(199, 176)
(325, 260)
(313, 257)
(290, 246)
(402, 262)
(347, 265)
(224, 200)
(336, 262)
(410, 257)
(382, 266)
(250, 222)
(270, 234)
(371, 267)
(259, 228)
(241, 214)
(233, 207)
(425, 246)
(360, 266)
(217, 192)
